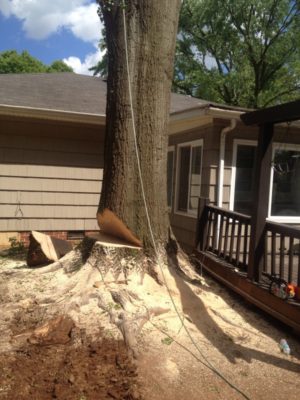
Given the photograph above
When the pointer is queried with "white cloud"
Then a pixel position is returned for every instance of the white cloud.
(5, 7)
(41, 18)
(82, 67)
(84, 23)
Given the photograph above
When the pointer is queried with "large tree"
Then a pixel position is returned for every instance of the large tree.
(11, 62)
(149, 44)
(241, 53)
(140, 66)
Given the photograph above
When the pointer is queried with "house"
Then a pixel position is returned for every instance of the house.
(51, 158)
(251, 254)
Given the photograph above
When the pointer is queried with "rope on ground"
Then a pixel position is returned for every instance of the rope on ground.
(159, 261)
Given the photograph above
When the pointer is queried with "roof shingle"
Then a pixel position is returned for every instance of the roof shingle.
(68, 92)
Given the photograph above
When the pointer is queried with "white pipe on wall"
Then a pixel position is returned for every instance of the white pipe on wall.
(222, 160)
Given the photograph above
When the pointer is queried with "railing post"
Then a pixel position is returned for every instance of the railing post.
(201, 229)
(261, 201)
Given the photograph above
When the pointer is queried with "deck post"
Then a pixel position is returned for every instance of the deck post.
(261, 201)
(201, 223)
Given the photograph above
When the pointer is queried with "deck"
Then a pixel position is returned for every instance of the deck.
(223, 247)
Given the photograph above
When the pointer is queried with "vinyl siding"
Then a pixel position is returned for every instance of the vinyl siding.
(50, 175)
(184, 225)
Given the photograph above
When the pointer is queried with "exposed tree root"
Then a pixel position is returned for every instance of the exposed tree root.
(108, 276)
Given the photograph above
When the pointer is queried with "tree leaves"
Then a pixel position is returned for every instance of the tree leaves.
(242, 53)
(13, 63)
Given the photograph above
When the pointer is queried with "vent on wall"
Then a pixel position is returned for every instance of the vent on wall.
(75, 235)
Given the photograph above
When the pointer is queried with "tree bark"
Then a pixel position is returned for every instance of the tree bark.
(151, 33)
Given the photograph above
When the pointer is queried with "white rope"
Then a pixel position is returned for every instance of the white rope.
(210, 366)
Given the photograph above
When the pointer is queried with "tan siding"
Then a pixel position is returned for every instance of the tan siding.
(55, 181)
(186, 238)
(14, 126)
(47, 211)
(187, 222)
(48, 224)
(49, 185)
(226, 194)
(49, 198)
(184, 226)
(212, 193)
(49, 144)
(38, 171)
(18, 156)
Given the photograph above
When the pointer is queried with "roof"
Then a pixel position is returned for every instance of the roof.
(67, 92)
(70, 92)
(54, 91)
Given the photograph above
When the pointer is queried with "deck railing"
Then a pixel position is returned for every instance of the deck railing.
(282, 251)
(226, 234)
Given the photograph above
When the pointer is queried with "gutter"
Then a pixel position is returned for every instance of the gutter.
(50, 114)
(217, 112)
(223, 134)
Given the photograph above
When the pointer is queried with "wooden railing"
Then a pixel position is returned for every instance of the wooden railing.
(282, 251)
(227, 235)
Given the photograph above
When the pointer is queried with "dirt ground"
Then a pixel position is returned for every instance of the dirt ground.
(232, 351)
(98, 370)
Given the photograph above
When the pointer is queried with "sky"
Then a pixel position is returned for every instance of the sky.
(50, 30)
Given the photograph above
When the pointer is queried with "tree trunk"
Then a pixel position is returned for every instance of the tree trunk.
(151, 32)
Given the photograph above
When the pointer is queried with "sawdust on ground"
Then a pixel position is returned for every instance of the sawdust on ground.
(229, 336)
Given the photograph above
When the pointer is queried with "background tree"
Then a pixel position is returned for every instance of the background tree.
(101, 68)
(242, 53)
(58, 66)
(11, 62)
(151, 47)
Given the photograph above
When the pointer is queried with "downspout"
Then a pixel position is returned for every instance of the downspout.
(223, 134)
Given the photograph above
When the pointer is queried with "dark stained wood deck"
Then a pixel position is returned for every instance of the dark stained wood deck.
(287, 311)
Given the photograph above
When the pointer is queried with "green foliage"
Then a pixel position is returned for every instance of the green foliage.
(16, 247)
(59, 66)
(101, 68)
(239, 52)
(12, 62)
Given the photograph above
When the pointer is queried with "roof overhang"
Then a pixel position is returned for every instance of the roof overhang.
(200, 116)
(52, 115)
(216, 112)
(189, 119)
(180, 121)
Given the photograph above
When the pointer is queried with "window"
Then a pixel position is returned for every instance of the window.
(285, 182)
(244, 153)
(284, 197)
(189, 176)
(170, 175)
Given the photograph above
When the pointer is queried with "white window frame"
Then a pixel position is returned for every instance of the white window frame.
(172, 149)
(236, 143)
(192, 143)
(275, 146)
(282, 219)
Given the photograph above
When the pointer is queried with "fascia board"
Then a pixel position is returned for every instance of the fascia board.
(48, 114)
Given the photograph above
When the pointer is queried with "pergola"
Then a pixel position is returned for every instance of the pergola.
(265, 119)
(245, 252)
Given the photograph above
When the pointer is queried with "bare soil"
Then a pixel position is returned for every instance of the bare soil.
(95, 370)
(65, 365)
(90, 361)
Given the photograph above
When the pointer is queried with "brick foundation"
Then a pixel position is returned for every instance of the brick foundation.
(24, 236)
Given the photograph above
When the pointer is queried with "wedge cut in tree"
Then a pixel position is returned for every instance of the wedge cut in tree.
(128, 268)
(150, 47)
